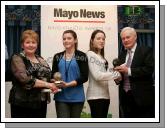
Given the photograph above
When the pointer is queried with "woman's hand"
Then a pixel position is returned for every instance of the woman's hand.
(52, 80)
(53, 87)
(64, 84)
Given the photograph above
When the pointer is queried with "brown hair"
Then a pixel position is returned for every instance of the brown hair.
(29, 33)
(74, 36)
(91, 47)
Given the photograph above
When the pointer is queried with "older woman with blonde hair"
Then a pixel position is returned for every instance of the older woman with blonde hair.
(31, 75)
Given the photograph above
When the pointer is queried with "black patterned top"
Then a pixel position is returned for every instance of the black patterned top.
(25, 73)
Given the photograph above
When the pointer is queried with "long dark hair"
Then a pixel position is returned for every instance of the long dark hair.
(91, 47)
(74, 36)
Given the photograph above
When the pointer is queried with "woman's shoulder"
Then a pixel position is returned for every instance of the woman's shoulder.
(79, 52)
(18, 56)
(58, 56)
(91, 53)
(59, 53)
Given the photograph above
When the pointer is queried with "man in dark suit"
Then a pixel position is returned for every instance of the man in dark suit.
(136, 88)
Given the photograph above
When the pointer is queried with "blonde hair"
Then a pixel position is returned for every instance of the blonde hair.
(29, 34)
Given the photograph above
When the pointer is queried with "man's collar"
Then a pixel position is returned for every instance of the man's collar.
(133, 48)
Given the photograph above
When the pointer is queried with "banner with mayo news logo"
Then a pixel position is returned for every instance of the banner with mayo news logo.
(83, 19)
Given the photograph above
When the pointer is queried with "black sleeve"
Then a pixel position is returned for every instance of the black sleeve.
(55, 65)
(83, 66)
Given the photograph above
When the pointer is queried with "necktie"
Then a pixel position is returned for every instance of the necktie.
(129, 61)
(126, 78)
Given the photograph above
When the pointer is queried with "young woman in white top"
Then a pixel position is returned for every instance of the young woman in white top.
(98, 91)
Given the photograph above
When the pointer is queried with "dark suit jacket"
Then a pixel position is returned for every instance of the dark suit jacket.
(141, 79)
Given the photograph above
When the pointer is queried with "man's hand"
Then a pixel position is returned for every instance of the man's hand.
(122, 69)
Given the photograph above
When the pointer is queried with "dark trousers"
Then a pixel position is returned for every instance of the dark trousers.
(69, 110)
(99, 108)
(24, 112)
(130, 109)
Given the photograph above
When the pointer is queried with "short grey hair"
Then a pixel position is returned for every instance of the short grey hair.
(130, 29)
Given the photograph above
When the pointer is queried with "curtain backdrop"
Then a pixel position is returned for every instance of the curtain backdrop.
(17, 19)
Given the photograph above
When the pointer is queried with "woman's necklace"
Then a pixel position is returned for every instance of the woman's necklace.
(67, 67)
